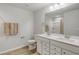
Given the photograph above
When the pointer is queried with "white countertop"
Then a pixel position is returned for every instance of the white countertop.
(73, 40)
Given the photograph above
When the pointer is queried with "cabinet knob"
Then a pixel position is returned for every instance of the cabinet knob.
(54, 53)
(55, 48)
(64, 52)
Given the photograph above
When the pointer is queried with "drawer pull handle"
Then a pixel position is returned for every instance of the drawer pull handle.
(64, 52)
(55, 48)
(54, 53)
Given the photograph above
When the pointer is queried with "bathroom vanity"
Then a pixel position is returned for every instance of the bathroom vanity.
(59, 24)
(57, 44)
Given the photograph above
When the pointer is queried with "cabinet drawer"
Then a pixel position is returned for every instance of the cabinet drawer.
(53, 52)
(53, 47)
(65, 52)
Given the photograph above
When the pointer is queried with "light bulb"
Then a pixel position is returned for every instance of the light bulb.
(56, 5)
(61, 3)
(51, 7)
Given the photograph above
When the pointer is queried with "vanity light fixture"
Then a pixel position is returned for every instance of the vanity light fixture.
(51, 7)
(62, 3)
(56, 5)
(59, 5)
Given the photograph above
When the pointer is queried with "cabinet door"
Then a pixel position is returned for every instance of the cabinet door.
(65, 52)
(58, 49)
(54, 47)
(45, 52)
(39, 46)
(45, 47)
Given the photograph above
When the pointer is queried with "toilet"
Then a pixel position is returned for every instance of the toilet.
(32, 45)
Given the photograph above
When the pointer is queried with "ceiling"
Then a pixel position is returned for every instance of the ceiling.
(31, 6)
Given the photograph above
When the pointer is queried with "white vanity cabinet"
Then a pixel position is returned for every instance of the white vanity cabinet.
(62, 48)
(49, 46)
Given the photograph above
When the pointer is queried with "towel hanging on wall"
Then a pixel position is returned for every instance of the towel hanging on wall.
(10, 28)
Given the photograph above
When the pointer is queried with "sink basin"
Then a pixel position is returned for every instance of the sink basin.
(62, 37)
(75, 39)
(57, 37)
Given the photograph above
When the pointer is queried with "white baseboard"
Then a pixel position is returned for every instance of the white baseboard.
(13, 49)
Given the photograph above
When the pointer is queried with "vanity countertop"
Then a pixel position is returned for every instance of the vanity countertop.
(73, 40)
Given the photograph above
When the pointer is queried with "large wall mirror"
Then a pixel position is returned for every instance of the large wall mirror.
(55, 23)
(64, 20)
